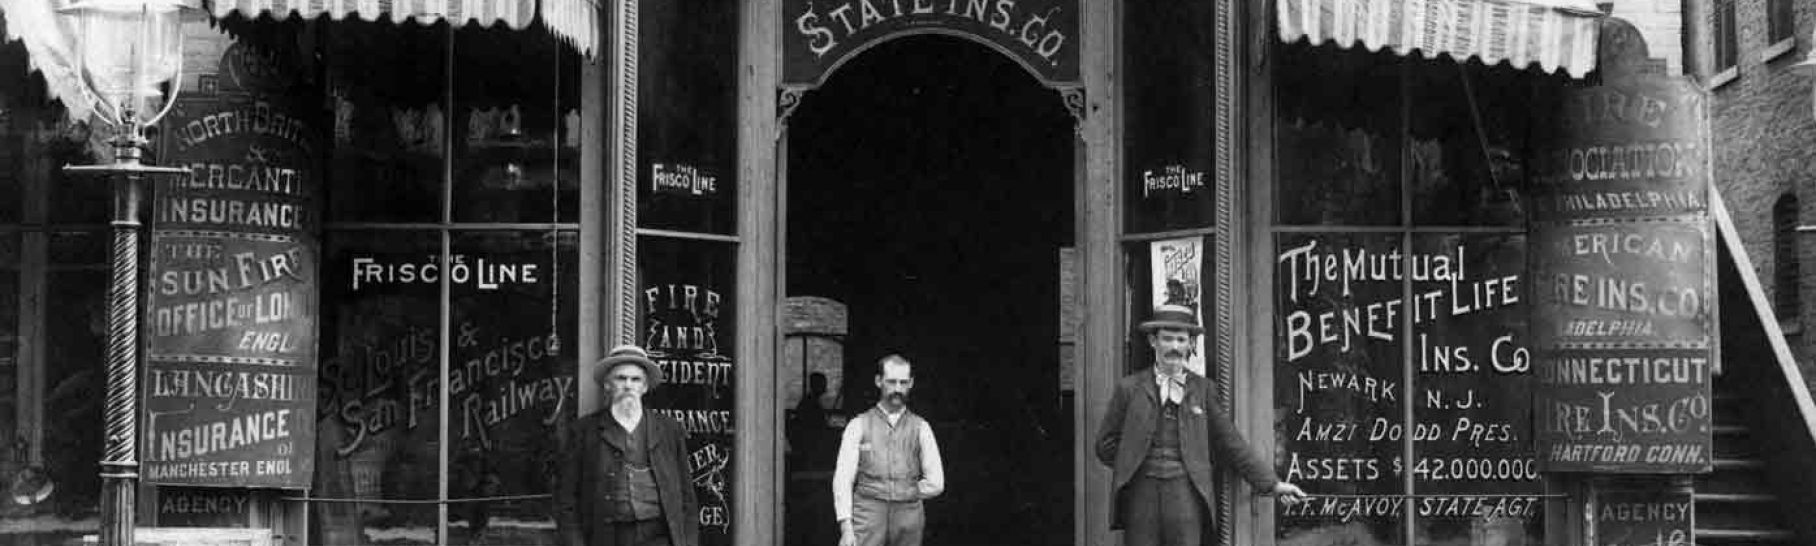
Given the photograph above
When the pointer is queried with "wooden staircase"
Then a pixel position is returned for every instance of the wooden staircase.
(1734, 504)
(1761, 490)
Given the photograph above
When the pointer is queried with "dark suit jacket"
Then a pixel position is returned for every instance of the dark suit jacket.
(580, 495)
(1128, 429)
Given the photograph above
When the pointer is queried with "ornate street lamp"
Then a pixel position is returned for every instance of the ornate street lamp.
(125, 51)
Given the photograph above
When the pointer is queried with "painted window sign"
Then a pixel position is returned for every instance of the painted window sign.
(687, 326)
(1348, 368)
(231, 299)
(687, 140)
(479, 272)
(1170, 103)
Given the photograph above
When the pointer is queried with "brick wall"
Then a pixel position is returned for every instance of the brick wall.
(1662, 23)
(1765, 146)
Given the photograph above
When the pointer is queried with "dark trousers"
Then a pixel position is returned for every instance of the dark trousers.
(1162, 513)
(649, 532)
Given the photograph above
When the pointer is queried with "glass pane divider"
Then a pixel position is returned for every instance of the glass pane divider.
(452, 226)
(1173, 234)
(641, 232)
(1439, 229)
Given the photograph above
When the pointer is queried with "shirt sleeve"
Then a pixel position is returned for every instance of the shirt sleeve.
(844, 473)
(933, 470)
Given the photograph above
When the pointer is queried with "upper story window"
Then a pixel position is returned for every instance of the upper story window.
(1787, 297)
(1781, 21)
(1727, 37)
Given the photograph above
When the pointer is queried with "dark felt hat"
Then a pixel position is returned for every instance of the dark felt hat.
(1173, 316)
(627, 355)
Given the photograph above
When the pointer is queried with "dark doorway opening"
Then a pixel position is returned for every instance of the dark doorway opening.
(930, 192)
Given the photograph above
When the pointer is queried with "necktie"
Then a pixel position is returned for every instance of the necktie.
(1173, 387)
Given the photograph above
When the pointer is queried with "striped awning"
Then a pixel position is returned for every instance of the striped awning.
(572, 20)
(1551, 34)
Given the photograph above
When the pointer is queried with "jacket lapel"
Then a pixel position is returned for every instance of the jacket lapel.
(653, 438)
(611, 431)
(1194, 385)
(1149, 386)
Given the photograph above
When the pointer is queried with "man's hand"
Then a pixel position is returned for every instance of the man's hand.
(846, 536)
(1289, 494)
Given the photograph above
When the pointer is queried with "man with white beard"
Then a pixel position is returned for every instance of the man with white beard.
(624, 474)
(1158, 435)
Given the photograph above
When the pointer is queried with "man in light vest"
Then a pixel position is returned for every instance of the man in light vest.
(888, 463)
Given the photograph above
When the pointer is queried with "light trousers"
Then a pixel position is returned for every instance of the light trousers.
(884, 523)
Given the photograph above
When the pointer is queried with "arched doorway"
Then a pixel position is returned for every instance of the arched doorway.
(928, 189)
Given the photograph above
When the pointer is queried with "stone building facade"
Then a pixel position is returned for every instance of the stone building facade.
(1765, 146)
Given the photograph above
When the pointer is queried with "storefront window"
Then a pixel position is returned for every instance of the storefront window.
(1472, 384)
(12, 187)
(687, 138)
(688, 325)
(73, 352)
(1169, 139)
(12, 459)
(53, 286)
(511, 380)
(450, 276)
(379, 404)
(514, 115)
(1473, 134)
(387, 83)
(1402, 381)
(1337, 142)
(1339, 396)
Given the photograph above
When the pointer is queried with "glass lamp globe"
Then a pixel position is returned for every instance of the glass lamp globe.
(125, 50)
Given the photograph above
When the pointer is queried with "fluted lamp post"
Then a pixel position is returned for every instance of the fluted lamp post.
(125, 51)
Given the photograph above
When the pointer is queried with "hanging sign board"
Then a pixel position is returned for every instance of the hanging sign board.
(230, 311)
(1625, 312)
(817, 37)
(1651, 517)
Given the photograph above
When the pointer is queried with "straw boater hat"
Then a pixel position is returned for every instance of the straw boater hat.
(628, 355)
(1173, 316)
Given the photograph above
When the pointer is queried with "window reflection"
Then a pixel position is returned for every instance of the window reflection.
(1337, 141)
(378, 407)
(1339, 388)
(386, 85)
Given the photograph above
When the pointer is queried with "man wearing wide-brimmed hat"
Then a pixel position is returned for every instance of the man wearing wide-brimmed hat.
(624, 474)
(1158, 436)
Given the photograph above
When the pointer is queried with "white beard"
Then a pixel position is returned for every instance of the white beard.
(628, 411)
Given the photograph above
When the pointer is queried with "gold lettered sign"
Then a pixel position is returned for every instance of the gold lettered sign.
(230, 317)
(1652, 517)
(818, 36)
(1624, 260)
(687, 325)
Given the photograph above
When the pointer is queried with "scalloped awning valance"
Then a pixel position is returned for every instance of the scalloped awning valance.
(1554, 35)
(574, 21)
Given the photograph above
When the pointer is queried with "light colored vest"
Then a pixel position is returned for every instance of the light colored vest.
(889, 459)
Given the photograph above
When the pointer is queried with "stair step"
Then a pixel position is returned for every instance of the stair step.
(1735, 497)
(1744, 534)
(1739, 464)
